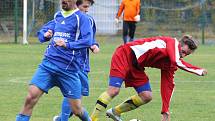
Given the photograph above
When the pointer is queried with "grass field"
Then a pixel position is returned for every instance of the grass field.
(193, 99)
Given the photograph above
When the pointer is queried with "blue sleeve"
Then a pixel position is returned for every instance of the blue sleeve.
(48, 26)
(86, 34)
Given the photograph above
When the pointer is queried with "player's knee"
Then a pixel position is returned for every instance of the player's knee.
(34, 94)
(113, 91)
(31, 99)
(146, 97)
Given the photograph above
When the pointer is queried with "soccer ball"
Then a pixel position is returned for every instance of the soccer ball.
(135, 120)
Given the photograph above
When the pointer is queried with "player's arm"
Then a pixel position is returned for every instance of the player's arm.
(192, 69)
(172, 47)
(86, 34)
(138, 7)
(121, 8)
(167, 87)
(46, 32)
(95, 46)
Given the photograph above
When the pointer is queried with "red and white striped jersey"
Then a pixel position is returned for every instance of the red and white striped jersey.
(160, 52)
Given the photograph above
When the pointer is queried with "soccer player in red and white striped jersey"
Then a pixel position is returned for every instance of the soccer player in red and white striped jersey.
(128, 65)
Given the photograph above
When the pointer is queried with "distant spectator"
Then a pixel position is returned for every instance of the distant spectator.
(131, 9)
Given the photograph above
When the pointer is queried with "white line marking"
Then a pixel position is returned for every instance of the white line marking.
(22, 80)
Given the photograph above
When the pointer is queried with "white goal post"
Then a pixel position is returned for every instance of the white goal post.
(25, 19)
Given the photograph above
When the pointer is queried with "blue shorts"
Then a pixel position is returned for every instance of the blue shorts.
(117, 82)
(49, 75)
(84, 83)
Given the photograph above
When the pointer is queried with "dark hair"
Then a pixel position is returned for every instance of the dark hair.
(79, 2)
(188, 40)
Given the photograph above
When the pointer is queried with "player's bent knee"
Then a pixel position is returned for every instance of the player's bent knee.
(31, 99)
(147, 99)
(33, 96)
(146, 96)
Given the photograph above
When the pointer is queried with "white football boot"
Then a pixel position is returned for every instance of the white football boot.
(113, 116)
(56, 118)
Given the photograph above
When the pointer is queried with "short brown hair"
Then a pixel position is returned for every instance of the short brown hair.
(79, 2)
(188, 40)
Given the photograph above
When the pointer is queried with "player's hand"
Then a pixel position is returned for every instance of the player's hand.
(60, 42)
(95, 49)
(137, 18)
(116, 20)
(204, 73)
(48, 34)
(165, 117)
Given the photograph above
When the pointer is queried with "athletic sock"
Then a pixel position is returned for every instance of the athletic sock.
(101, 104)
(66, 111)
(22, 117)
(84, 116)
(130, 104)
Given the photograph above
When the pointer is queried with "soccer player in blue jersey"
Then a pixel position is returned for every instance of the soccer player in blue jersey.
(70, 34)
(66, 111)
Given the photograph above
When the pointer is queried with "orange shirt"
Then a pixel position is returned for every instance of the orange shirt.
(131, 8)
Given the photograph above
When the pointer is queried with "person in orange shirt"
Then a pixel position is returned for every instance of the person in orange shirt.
(131, 16)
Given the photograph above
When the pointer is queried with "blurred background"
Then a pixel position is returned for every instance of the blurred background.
(158, 17)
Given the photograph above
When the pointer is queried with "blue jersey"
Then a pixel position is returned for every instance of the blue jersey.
(86, 64)
(75, 29)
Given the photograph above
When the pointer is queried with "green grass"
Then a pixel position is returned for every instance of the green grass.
(193, 99)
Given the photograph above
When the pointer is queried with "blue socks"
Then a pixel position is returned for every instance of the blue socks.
(85, 116)
(66, 111)
(21, 117)
(65, 114)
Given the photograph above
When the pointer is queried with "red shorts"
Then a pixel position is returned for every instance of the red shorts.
(122, 66)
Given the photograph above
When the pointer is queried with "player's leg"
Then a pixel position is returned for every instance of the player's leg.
(125, 31)
(167, 87)
(106, 97)
(78, 110)
(70, 86)
(132, 28)
(84, 91)
(144, 96)
(32, 97)
(119, 69)
(66, 111)
(137, 78)
(40, 83)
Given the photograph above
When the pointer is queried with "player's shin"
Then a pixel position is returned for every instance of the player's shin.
(101, 104)
(131, 103)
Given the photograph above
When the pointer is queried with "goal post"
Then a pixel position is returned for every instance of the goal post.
(35, 14)
(25, 19)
